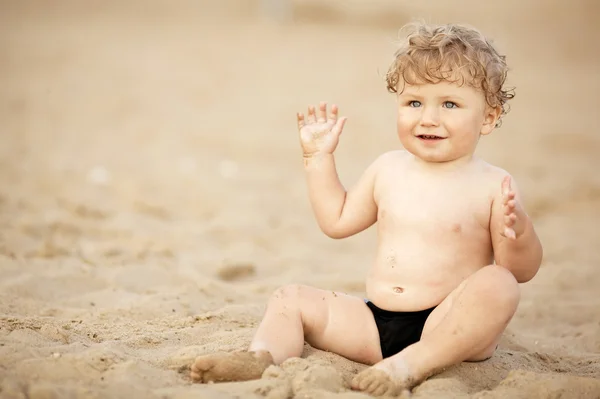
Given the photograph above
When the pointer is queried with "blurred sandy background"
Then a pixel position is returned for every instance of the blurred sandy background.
(152, 193)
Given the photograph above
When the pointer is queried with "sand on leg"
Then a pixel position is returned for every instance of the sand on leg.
(466, 326)
(296, 314)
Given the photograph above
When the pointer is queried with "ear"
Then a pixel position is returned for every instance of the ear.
(490, 119)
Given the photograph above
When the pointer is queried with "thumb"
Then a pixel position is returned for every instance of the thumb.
(339, 126)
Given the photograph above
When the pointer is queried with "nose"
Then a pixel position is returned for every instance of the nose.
(430, 117)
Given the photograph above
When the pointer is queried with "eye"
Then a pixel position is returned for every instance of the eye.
(450, 104)
(414, 103)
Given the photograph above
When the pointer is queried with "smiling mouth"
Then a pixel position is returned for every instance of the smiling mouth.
(429, 137)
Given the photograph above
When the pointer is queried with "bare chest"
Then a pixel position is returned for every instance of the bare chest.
(441, 210)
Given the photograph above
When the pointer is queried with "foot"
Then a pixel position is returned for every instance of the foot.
(236, 366)
(387, 378)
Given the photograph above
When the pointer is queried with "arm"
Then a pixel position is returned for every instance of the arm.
(340, 213)
(516, 244)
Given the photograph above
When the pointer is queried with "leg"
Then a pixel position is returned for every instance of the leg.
(326, 320)
(467, 325)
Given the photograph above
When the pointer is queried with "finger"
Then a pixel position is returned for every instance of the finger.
(509, 233)
(339, 126)
(506, 185)
(508, 197)
(311, 115)
(322, 112)
(333, 115)
(300, 118)
(509, 207)
(510, 219)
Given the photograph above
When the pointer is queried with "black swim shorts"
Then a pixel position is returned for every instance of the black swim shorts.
(397, 330)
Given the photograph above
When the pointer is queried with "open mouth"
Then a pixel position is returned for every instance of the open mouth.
(429, 137)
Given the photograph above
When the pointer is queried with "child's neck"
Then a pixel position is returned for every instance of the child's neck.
(452, 166)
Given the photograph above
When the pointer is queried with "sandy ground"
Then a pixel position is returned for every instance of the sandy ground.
(152, 193)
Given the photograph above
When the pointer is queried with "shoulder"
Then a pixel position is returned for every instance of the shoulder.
(491, 173)
(385, 169)
(387, 164)
(391, 158)
(492, 177)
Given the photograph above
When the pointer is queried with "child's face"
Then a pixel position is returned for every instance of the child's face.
(443, 122)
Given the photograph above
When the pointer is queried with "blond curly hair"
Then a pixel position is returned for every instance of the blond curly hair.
(455, 53)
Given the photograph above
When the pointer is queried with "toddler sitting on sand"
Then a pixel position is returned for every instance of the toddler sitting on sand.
(454, 239)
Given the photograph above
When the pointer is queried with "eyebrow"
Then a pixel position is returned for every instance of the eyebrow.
(405, 94)
(420, 97)
(459, 98)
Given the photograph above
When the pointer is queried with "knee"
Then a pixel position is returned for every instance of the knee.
(287, 293)
(497, 285)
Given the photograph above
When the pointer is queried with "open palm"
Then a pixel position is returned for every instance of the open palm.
(319, 134)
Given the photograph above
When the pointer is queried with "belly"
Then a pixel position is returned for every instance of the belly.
(410, 275)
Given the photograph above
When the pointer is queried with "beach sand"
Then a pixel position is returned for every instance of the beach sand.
(152, 194)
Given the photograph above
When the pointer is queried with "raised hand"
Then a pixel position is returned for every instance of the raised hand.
(320, 133)
(513, 216)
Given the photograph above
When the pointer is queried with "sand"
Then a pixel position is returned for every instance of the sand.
(152, 194)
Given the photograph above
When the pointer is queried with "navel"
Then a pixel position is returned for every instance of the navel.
(398, 290)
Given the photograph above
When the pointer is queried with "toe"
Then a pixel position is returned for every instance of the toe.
(366, 382)
(371, 386)
(193, 367)
(383, 389)
(359, 382)
(208, 377)
(374, 382)
(203, 363)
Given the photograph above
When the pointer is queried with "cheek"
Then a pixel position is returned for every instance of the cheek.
(402, 128)
(405, 122)
(463, 124)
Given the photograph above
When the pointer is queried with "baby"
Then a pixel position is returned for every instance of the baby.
(454, 239)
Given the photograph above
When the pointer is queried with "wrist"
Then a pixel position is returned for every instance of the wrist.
(315, 159)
